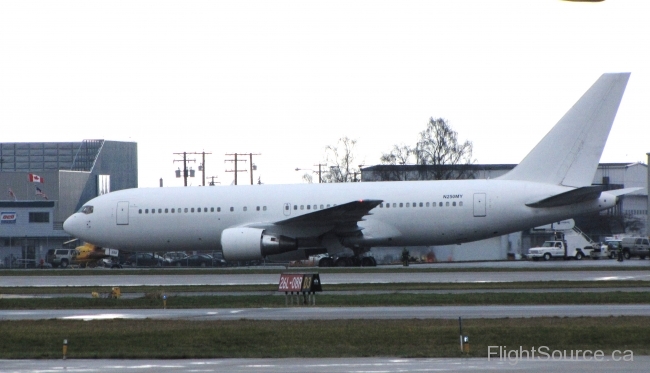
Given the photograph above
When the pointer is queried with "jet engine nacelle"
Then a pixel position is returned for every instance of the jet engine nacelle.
(253, 244)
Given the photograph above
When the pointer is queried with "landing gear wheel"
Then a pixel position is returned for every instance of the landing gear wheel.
(326, 262)
(343, 262)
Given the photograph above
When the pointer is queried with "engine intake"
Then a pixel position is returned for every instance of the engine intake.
(253, 243)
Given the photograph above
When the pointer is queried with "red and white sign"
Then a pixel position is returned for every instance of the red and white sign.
(7, 217)
(35, 179)
(290, 282)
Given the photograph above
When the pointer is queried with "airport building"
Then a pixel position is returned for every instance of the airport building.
(45, 182)
(629, 217)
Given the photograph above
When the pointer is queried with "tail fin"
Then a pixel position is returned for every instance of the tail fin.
(569, 154)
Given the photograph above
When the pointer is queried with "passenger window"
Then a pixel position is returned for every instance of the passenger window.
(422, 205)
(166, 211)
(218, 209)
(186, 209)
(460, 203)
(295, 207)
(321, 207)
(394, 205)
(140, 211)
(388, 205)
(160, 211)
(264, 208)
(447, 204)
(173, 211)
(245, 208)
(407, 205)
(328, 206)
(146, 211)
(440, 204)
(232, 209)
(302, 207)
(308, 207)
(211, 209)
(401, 204)
(415, 204)
(192, 210)
(427, 204)
(454, 204)
(257, 208)
(381, 205)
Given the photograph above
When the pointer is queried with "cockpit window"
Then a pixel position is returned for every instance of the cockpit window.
(86, 210)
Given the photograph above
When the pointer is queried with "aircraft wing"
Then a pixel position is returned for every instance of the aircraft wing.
(342, 219)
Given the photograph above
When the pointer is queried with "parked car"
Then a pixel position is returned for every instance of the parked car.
(174, 255)
(607, 249)
(144, 260)
(636, 246)
(198, 260)
(60, 257)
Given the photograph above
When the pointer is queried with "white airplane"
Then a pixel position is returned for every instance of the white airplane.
(552, 183)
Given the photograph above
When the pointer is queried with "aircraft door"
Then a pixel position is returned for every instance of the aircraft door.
(479, 204)
(123, 213)
(287, 209)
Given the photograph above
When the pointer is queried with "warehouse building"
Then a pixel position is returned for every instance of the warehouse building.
(45, 182)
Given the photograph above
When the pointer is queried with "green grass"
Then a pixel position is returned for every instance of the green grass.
(153, 300)
(340, 338)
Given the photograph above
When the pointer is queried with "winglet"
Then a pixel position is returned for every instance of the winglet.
(569, 154)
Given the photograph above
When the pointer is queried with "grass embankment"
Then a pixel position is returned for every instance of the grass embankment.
(361, 300)
(341, 338)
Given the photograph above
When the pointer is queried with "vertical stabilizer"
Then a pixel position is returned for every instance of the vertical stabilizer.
(569, 154)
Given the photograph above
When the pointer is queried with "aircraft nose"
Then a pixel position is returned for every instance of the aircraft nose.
(71, 224)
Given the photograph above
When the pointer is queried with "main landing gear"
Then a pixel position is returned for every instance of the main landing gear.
(347, 261)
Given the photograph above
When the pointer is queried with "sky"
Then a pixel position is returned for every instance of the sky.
(285, 79)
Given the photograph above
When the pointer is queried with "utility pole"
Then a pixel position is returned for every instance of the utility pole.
(235, 160)
(320, 179)
(185, 160)
(212, 182)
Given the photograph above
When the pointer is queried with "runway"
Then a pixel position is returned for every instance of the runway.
(330, 365)
(180, 279)
(336, 313)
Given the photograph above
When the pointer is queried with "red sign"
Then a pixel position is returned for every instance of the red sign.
(290, 282)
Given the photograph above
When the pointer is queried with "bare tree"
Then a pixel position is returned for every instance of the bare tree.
(437, 154)
(341, 161)
(438, 148)
(399, 155)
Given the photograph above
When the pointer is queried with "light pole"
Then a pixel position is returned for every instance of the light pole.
(320, 179)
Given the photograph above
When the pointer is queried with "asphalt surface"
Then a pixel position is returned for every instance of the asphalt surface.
(326, 278)
(336, 313)
(608, 364)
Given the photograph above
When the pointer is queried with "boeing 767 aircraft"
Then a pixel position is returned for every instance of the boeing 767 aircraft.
(552, 183)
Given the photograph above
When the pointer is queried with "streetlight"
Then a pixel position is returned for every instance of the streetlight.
(320, 179)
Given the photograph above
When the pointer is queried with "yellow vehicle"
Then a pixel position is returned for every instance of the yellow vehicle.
(86, 255)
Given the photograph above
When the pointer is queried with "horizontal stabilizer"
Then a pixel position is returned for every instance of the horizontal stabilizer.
(620, 192)
(568, 198)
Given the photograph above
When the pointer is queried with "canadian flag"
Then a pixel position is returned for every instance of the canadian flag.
(35, 179)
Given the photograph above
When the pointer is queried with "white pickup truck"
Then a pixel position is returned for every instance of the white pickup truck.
(573, 244)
